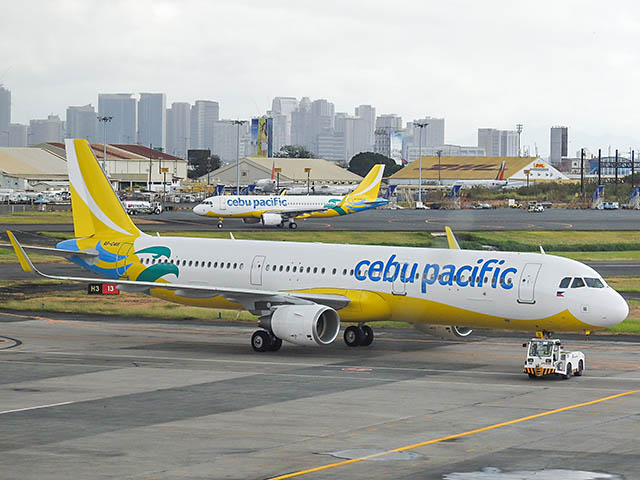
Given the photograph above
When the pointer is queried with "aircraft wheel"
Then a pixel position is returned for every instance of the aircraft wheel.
(293, 225)
(276, 343)
(569, 371)
(219, 224)
(353, 336)
(580, 369)
(367, 337)
(261, 341)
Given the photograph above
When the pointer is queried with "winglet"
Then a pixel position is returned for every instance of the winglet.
(24, 260)
(451, 239)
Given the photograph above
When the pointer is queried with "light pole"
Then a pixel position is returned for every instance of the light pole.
(519, 130)
(104, 119)
(238, 123)
(439, 153)
(308, 172)
(421, 126)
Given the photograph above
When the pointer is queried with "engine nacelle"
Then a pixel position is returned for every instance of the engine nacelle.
(305, 324)
(271, 219)
(447, 332)
(251, 220)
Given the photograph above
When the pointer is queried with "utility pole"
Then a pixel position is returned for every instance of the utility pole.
(439, 153)
(104, 120)
(519, 130)
(582, 171)
(150, 165)
(238, 123)
(421, 126)
(599, 167)
(633, 162)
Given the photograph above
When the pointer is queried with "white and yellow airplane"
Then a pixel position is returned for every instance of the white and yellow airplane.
(301, 291)
(276, 210)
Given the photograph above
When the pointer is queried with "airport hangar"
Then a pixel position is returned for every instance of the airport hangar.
(292, 170)
(44, 166)
(456, 169)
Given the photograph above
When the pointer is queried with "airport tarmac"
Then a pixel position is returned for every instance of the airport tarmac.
(396, 220)
(113, 398)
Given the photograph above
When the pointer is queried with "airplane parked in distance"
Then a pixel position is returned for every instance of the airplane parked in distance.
(498, 182)
(301, 291)
(276, 210)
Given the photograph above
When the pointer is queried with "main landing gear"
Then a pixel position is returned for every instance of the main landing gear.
(293, 225)
(358, 336)
(263, 341)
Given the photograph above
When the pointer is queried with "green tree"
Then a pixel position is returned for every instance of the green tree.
(201, 162)
(361, 163)
(293, 151)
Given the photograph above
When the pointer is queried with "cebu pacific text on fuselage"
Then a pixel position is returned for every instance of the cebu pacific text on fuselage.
(447, 275)
(257, 202)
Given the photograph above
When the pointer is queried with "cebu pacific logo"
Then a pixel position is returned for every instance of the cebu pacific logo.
(486, 272)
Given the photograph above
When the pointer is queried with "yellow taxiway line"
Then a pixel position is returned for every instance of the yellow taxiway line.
(451, 437)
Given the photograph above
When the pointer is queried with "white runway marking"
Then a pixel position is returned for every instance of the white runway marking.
(35, 408)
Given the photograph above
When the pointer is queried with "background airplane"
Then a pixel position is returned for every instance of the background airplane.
(276, 210)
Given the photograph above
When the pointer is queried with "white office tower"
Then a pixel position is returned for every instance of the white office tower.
(281, 110)
(386, 127)
(355, 132)
(82, 122)
(559, 144)
(152, 120)
(309, 120)
(432, 135)
(367, 114)
(5, 115)
(121, 107)
(230, 140)
(204, 114)
(18, 135)
(46, 130)
(391, 121)
(179, 129)
(499, 143)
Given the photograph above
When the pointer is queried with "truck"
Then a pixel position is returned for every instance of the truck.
(548, 357)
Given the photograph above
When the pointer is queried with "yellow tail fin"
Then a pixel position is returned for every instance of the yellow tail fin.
(96, 208)
(369, 187)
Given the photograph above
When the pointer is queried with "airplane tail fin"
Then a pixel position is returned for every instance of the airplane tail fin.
(369, 187)
(503, 167)
(95, 205)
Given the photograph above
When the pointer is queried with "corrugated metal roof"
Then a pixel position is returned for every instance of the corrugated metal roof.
(293, 168)
(462, 168)
(146, 151)
(31, 162)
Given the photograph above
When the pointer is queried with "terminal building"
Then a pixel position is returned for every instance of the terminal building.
(291, 170)
(450, 170)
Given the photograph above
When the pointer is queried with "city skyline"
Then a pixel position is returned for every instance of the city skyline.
(492, 64)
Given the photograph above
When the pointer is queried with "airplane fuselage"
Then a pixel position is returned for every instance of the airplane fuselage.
(517, 291)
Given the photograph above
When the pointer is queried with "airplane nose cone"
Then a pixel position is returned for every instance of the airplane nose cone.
(198, 210)
(617, 310)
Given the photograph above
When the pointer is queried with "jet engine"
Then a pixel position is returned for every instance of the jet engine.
(271, 219)
(305, 324)
(251, 220)
(447, 332)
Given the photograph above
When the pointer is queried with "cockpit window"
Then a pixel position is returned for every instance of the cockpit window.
(577, 283)
(565, 282)
(593, 283)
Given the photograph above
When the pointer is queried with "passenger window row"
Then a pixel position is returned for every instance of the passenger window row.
(195, 263)
(309, 270)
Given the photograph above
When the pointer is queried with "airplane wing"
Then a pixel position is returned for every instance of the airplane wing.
(252, 299)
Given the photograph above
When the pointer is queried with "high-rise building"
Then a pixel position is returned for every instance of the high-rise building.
(389, 121)
(368, 114)
(281, 110)
(179, 129)
(432, 135)
(499, 143)
(5, 115)
(204, 114)
(387, 127)
(18, 135)
(231, 140)
(121, 107)
(355, 132)
(45, 130)
(559, 144)
(309, 120)
(152, 120)
(82, 122)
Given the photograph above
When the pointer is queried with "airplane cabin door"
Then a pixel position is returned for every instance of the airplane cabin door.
(398, 287)
(527, 285)
(256, 269)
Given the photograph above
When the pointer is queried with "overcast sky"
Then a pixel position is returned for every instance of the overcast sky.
(476, 63)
